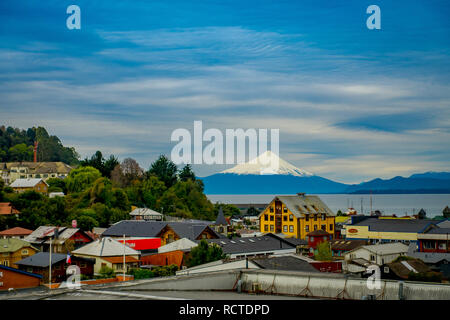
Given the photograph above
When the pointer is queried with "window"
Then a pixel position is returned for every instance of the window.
(271, 209)
(266, 217)
(291, 217)
(24, 251)
(442, 246)
(284, 218)
(291, 228)
(331, 227)
(428, 245)
(266, 228)
(284, 228)
(324, 227)
(372, 257)
(271, 228)
(315, 227)
(324, 217)
(306, 217)
(6, 263)
(307, 238)
(271, 218)
(307, 228)
(315, 217)
(285, 210)
(30, 270)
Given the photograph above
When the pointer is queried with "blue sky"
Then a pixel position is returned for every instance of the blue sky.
(351, 104)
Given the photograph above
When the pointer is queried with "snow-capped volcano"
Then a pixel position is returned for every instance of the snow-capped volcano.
(268, 163)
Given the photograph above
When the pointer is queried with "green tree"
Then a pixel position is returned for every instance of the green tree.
(446, 212)
(81, 178)
(21, 152)
(57, 183)
(205, 253)
(186, 173)
(165, 170)
(323, 252)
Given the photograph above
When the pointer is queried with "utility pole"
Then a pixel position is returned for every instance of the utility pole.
(50, 266)
(123, 279)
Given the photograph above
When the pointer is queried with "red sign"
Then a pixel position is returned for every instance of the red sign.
(142, 244)
(352, 230)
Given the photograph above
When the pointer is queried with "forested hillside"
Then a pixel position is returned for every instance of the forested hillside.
(17, 145)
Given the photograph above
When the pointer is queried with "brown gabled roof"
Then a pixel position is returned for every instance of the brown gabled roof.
(7, 208)
(17, 231)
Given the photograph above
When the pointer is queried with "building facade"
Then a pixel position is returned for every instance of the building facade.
(296, 216)
(13, 250)
(22, 185)
(17, 279)
(11, 171)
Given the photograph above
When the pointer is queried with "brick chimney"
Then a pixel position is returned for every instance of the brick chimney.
(35, 151)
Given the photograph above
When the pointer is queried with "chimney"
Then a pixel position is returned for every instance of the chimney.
(35, 151)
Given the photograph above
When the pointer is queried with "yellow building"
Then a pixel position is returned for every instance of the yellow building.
(296, 216)
(10, 171)
(374, 229)
(13, 250)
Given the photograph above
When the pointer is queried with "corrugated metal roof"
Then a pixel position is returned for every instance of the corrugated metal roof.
(105, 247)
(144, 212)
(252, 244)
(387, 248)
(300, 205)
(25, 183)
(287, 263)
(13, 244)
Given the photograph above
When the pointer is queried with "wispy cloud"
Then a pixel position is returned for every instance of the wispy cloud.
(349, 105)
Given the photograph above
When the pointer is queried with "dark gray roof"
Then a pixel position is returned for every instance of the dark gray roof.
(132, 228)
(287, 263)
(430, 257)
(245, 245)
(395, 225)
(188, 230)
(139, 228)
(42, 259)
(439, 231)
(221, 218)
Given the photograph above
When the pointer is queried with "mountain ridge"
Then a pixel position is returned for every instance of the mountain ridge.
(253, 178)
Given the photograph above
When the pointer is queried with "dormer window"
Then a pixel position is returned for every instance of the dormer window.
(285, 210)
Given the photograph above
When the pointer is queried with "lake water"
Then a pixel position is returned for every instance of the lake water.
(399, 204)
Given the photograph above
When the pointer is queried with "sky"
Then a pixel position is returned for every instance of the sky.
(351, 104)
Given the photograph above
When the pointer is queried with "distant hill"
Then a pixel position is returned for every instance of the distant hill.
(418, 184)
(254, 178)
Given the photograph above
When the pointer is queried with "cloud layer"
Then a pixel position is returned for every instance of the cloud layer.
(347, 110)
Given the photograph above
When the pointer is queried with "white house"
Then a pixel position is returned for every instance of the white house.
(357, 260)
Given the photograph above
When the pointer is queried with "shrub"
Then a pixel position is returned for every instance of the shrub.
(106, 272)
(141, 273)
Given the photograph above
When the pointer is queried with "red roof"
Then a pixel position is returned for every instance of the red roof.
(17, 231)
(6, 208)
